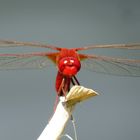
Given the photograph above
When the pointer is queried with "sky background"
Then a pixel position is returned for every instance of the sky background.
(27, 96)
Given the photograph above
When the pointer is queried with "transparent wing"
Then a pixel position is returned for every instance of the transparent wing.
(115, 46)
(8, 43)
(23, 61)
(111, 65)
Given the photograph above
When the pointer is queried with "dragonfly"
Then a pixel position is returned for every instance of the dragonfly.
(69, 61)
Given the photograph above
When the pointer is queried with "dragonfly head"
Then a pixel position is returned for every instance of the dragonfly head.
(69, 66)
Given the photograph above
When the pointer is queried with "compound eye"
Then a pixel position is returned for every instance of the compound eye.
(65, 61)
(71, 61)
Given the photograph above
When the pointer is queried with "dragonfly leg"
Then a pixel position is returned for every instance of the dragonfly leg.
(64, 87)
(56, 102)
(61, 87)
(72, 81)
(75, 81)
(60, 91)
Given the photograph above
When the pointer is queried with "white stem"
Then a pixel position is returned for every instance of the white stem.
(56, 125)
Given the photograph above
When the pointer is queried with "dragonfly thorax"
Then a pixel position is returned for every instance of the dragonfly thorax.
(69, 66)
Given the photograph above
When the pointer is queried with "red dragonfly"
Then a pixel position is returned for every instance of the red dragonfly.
(69, 61)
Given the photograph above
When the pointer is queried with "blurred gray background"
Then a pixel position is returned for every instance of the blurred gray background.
(27, 96)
